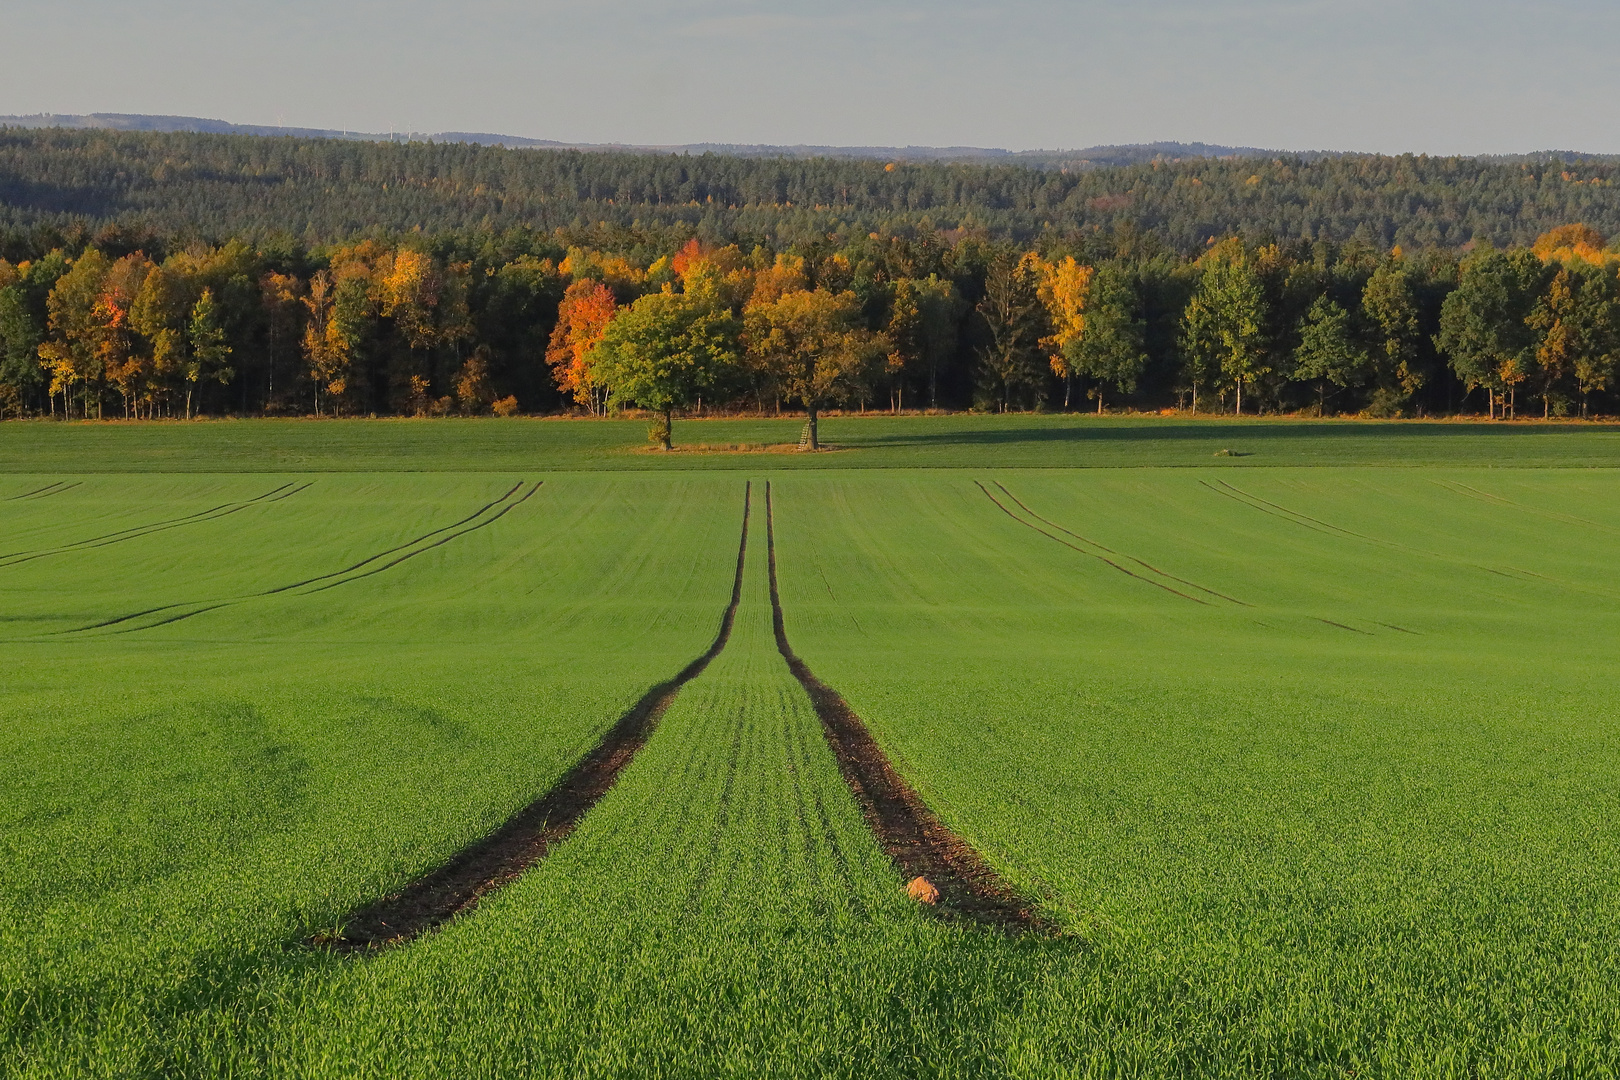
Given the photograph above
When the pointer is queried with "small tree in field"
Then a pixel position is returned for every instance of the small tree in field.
(663, 353)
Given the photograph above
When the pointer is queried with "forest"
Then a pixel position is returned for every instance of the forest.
(153, 274)
(212, 187)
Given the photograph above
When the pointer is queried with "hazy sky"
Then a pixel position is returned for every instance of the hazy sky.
(1442, 76)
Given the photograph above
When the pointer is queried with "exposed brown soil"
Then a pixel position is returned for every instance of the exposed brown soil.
(740, 448)
(920, 844)
(529, 836)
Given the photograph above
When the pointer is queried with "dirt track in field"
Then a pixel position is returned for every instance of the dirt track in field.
(525, 839)
(912, 835)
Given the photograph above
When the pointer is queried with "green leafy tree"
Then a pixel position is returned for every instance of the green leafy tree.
(1390, 306)
(1597, 315)
(923, 327)
(663, 353)
(1013, 313)
(1484, 328)
(1111, 349)
(1328, 351)
(22, 328)
(209, 348)
(1223, 326)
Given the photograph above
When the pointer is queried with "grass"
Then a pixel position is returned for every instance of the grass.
(873, 441)
(181, 803)
(1316, 766)
(1302, 841)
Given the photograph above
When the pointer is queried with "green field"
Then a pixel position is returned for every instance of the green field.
(1310, 759)
(873, 442)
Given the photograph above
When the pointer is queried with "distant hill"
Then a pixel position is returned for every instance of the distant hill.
(1093, 157)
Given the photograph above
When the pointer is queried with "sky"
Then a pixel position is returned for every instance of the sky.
(1434, 76)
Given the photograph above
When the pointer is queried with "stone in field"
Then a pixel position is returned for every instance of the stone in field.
(922, 890)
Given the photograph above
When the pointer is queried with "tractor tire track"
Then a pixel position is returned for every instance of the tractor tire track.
(919, 844)
(46, 492)
(1512, 573)
(36, 491)
(1352, 629)
(1127, 571)
(1459, 488)
(401, 547)
(228, 601)
(1101, 547)
(1241, 496)
(214, 513)
(490, 520)
(528, 836)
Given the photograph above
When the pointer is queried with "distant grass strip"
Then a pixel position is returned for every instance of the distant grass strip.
(917, 841)
(504, 855)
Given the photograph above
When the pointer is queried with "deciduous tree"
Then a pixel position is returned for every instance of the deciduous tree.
(1389, 303)
(1222, 328)
(69, 355)
(1110, 349)
(1063, 287)
(922, 328)
(813, 345)
(663, 353)
(586, 310)
(1328, 351)
(1483, 327)
(1016, 319)
(327, 350)
(209, 352)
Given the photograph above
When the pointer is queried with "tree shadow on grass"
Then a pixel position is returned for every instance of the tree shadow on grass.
(1061, 431)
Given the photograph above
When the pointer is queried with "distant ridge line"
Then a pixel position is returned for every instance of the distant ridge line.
(1088, 157)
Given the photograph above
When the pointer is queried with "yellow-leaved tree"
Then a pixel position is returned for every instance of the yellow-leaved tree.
(1063, 287)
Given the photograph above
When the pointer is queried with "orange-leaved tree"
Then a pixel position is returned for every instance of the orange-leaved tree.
(1573, 243)
(118, 349)
(582, 318)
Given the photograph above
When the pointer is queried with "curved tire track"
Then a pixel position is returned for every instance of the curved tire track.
(1127, 571)
(46, 491)
(1144, 565)
(229, 601)
(910, 833)
(214, 513)
(505, 854)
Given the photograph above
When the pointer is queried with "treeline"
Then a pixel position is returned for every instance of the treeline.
(593, 319)
(68, 184)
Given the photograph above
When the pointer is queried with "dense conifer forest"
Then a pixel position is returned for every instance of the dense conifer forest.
(152, 274)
